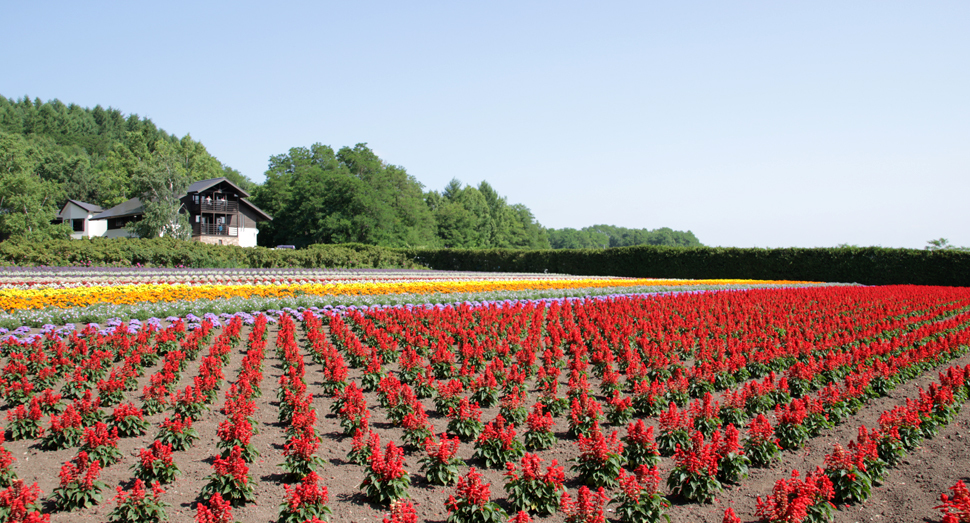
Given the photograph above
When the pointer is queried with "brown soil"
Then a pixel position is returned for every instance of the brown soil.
(909, 494)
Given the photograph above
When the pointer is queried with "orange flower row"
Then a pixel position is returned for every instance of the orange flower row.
(25, 299)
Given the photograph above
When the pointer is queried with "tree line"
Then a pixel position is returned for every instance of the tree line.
(604, 236)
(51, 152)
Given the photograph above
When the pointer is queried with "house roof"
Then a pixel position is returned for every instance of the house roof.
(257, 209)
(90, 207)
(202, 185)
(134, 207)
(128, 208)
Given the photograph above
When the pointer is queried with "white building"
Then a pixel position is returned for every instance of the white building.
(79, 215)
(218, 212)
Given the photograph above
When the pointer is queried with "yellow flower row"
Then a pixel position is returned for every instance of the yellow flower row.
(25, 299)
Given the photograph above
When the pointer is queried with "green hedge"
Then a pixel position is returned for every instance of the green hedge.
(166, 252)
(870, 265)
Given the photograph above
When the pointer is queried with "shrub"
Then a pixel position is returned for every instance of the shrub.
(305, 502)
(301, 458)
(65, 430)
(600, 459)
(402, 511)
(466, 420)
(584, 415)
(218, 511)
(177, 432)
(128, 420)
(733, 464)
(694, 476)
(386, 479)
(102, 444)
(79, 486)
(7, 473)
(540, 435)
(639, 446)
(797, 501)
(363, 446)
(156, 464)
(497, 445)
(640, 501)
(790, 432)
(588, 508)
(760, 446)
(534, 492)
(471, 502)
(230, 480)
(513, 406)
(441, 464)
(139, 505)
(674, 430)
(416, 427)
(621, 409)
(18, 504)
(190, 402)
(850, 481)
(24, 423)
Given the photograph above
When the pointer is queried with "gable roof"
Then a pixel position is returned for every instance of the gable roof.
(90, 207)
(202, 185)
(134, 207)
(257, 209)
(129, 208)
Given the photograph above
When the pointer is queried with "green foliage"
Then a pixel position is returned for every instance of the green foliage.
(139, 506)
(761, 453)
(94, 155)
(791, 436)
(866, 265)
(28, 203)
(234, 490)
(539, 440)
(466, 429)
(439, 472)
(169, 252)
(494, 454)
(604, 236)
(851, 485)
(159, 182)
(62, 439)
(693, 486)
(733, 467)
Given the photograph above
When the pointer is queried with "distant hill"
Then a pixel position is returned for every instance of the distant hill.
(603, 236)
(51, 152)
(92, 155)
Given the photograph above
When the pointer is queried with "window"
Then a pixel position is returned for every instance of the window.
(78, 224)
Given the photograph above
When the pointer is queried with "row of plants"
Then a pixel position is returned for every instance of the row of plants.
(866, 265)
(466, 358)
(851, 471)
(70, 277)
(147, 311)
(28, 299)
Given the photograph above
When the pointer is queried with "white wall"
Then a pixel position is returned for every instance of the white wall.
(247, 236)
(91, 228)
(97, 228)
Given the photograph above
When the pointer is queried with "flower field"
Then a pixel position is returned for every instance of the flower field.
(609, 399)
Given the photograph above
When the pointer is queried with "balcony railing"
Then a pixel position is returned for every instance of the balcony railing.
(218, 206)
(214, 229)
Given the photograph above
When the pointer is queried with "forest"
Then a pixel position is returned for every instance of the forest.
(51, 152)
(605, 236)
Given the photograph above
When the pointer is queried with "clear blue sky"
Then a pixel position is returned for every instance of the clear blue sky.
(768, 124)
